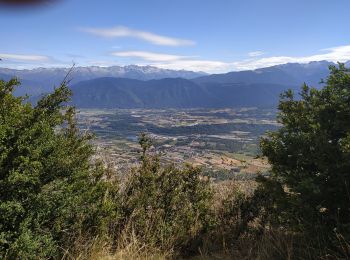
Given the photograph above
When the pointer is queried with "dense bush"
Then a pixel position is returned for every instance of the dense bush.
(50, 192)
(310, 159)
(165, 206)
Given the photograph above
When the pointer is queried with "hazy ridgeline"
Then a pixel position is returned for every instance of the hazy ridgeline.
(60, 199)
(151, 87)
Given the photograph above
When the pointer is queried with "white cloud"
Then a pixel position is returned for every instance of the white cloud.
(149, 56)
(209, 66)
(169, 61)
(22, 57)
(122, 31)
(30, 61)
(255, 53)
(335, 54)
(178, 62)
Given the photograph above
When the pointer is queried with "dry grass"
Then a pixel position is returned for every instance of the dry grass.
(272, 243)
(129, 247)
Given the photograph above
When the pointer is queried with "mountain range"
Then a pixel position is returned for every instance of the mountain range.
(150, 87)
(41, 80)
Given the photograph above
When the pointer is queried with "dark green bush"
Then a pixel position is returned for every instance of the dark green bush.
(50, 192)
(310, 158)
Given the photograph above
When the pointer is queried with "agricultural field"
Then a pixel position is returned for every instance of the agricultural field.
(224, 142)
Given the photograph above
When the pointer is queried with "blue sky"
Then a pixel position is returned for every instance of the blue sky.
(200, 35)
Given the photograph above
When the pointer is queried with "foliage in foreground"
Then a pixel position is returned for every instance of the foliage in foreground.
(50, 193)
(310, 159)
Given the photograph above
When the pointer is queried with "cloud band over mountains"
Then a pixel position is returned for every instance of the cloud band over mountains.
(181, 62)
(334, 54)
(170, 61)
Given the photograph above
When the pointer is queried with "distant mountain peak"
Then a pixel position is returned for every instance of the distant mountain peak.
(47, 78)
(147, 86)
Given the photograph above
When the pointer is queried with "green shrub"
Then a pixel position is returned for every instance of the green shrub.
(165, 206)
(50, 192)
(310, 158)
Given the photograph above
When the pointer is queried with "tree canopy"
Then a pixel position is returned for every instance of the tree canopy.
(310, 155)
(47, 180)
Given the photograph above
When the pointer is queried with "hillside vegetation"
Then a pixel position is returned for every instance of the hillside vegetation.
(60, 199)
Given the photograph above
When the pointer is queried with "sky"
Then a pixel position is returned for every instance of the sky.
(201, 35)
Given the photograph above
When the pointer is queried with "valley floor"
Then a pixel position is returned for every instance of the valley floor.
(225, 141)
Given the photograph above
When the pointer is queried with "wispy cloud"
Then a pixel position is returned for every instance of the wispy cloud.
(177, 62)
(149, 56)
(122, 31)
(210, 66)
(335, 54)
(169, 61)
(255, 53)
(23, 57)
(30, 61)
